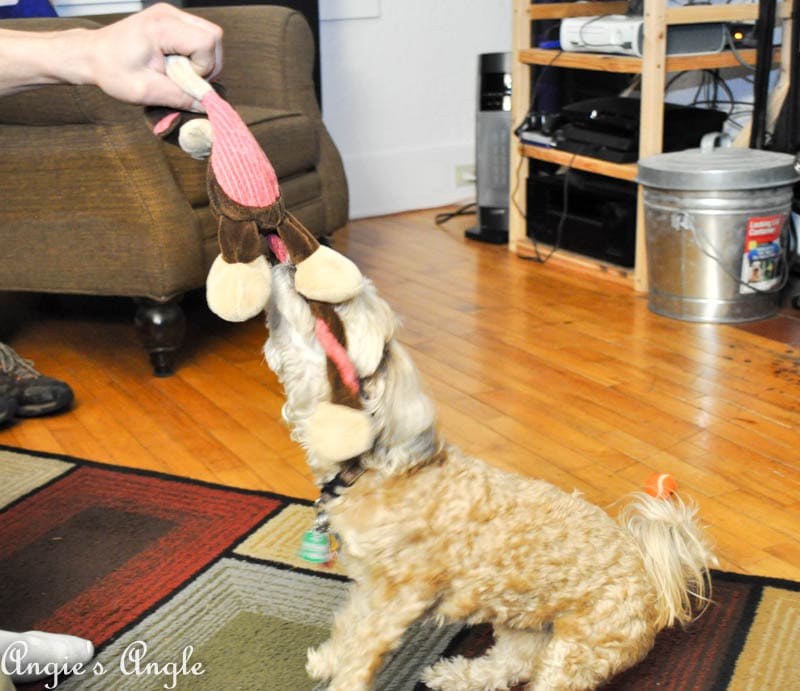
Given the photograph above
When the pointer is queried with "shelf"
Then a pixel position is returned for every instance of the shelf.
(623, 171)
(722, 13)
(674, 15)
(653, 66)
(602, 62)
(553, 10)
(525, 249)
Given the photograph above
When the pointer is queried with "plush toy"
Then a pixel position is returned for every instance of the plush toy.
(253, 226)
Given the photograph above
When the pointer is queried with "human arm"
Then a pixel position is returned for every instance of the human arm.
(125, 59)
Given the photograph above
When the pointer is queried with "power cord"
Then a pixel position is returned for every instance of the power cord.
(538, 257)
(466, 210)
(526, 121)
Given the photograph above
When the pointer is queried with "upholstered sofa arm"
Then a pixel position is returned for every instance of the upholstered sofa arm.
(62, 104)
(269, 53)
(272, 50)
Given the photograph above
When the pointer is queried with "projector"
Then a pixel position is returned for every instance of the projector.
(623, 34)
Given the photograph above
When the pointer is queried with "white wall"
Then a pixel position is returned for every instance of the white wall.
(399, 95)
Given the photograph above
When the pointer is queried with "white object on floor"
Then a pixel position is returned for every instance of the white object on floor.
(32, 655)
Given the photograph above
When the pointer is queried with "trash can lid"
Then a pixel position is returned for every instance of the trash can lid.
(718, 168)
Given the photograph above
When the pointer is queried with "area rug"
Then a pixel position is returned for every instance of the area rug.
(188, 585)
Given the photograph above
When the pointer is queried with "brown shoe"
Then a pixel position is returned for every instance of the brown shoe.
(35, 393)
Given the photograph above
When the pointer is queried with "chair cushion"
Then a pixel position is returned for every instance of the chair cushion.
(289, 139)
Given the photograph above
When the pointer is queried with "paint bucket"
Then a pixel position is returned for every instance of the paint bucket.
(716, 227)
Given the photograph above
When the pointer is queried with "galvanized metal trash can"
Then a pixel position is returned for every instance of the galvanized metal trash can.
(716, 230)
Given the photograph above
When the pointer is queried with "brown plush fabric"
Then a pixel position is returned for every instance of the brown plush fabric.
(239, 241)
(94, 203)
(228, 211)
(300, 244)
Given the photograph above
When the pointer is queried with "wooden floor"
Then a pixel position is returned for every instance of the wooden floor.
(537, 369)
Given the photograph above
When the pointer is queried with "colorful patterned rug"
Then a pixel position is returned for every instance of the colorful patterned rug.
(188, 585)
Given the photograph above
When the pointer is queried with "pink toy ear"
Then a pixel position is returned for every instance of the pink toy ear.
(164, 126)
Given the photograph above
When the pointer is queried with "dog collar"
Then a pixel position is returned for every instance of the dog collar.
(319, 545)
(346, 477)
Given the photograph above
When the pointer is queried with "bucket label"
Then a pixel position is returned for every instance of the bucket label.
(762, 253)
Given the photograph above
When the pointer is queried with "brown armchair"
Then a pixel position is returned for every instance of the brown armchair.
(93, 203)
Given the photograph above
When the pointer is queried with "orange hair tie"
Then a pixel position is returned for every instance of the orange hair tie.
(660, 485)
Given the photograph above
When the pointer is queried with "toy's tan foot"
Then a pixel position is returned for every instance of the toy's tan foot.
(236, 292)
(327, 276)
(195, 137)
(338, 433)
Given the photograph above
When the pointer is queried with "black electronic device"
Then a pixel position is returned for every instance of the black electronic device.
(608, 128)
(492, 145)
(744, 34)
(593, 215)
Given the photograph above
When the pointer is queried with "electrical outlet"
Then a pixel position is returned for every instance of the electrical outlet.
(465, 174)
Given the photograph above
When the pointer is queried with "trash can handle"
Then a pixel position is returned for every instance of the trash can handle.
(713, 140)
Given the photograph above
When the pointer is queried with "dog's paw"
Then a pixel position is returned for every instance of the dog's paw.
(321, 663)
(447, 675)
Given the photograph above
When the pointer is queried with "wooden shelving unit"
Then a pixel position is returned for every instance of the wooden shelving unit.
(653, 66)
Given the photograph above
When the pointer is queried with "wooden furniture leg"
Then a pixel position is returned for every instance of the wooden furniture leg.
(161, 326)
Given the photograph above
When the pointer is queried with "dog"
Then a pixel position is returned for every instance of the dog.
(574, 597)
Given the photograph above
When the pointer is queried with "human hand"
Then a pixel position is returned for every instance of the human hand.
(126, 59)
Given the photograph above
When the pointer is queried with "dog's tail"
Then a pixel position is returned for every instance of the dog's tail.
(676, 554)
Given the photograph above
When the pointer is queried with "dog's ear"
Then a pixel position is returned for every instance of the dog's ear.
(370, 324)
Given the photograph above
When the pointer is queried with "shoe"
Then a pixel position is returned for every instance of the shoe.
(8, 400)
(35, 393)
